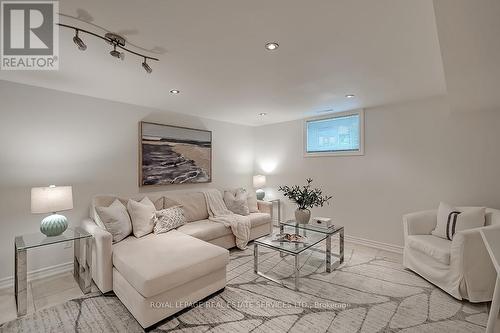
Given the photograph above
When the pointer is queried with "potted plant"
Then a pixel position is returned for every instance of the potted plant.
(305, 197)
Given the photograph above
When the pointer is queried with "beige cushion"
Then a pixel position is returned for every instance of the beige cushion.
(116, 220)
(236, 201)
(252, 201)
(193, 203)
(435, 247)
(167, 219)
(257, 219)
(156, 263)
(450, 220)
(105, 200)
(141, 214)
(205, 230)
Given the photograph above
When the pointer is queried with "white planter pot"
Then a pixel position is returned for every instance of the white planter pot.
(302, 215)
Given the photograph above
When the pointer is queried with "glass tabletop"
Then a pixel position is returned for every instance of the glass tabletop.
(29, 241)
(307, 226)
(311, 238)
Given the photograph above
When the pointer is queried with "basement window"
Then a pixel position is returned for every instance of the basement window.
(340, 134)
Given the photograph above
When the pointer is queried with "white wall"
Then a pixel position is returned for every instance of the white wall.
(416, 154)
(49, 137)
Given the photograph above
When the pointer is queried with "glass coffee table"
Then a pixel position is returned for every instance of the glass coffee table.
(314, 235)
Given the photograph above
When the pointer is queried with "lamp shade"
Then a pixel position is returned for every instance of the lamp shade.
(51, 199)
(259, 181)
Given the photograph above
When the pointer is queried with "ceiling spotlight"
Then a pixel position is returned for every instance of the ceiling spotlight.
(79, 42)
(117, 54)
(262, 114)
(174, 91)
(349, 96)
(146, 67)
(272, 46)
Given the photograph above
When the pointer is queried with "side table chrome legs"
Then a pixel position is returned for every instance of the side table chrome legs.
(82, 263)
(20, 280)
(82, 267)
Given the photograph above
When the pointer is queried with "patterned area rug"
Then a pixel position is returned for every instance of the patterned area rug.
(368, 293)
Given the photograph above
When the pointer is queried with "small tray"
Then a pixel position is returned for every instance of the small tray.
(291, 238)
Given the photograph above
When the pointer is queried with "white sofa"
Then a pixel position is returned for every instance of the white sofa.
(461, 267)
(156, 276)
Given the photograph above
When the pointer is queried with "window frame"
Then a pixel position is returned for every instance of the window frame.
(359, 152)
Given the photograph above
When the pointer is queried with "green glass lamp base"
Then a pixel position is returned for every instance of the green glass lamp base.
(260, 194)
(54, 225)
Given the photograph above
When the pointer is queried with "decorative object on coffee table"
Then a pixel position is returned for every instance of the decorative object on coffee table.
(259, 181)
(52, 199)
(304, 197)
(174, 155)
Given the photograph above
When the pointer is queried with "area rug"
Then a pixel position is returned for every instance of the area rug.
(368, 293)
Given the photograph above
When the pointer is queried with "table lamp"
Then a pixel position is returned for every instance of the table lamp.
(259, 181)
(52, 199)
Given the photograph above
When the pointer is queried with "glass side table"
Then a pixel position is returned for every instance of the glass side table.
(278, 204)
(329, 232)
(82, 262)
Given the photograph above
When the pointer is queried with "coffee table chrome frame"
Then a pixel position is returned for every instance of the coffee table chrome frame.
(328, 247)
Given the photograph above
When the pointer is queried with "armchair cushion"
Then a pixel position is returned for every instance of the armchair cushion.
(451, 220)
(435, 247)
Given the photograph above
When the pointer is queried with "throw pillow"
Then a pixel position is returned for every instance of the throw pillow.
(141, 214)
(450, 220)
(167, 219)
(236, 201)
(252, 202)
(116, 220)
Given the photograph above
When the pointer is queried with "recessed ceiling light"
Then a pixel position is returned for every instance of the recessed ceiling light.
(272, 46)
(262, 114)
(349, 96)
(174, 91)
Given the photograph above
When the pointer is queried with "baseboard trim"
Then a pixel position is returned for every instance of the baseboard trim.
(39, 274)
(378, 245)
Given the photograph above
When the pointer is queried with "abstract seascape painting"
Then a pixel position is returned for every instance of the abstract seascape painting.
(174, 155)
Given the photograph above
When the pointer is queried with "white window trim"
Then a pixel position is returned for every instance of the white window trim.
(359, 152)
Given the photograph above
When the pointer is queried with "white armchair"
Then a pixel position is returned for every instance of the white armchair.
(461, 267)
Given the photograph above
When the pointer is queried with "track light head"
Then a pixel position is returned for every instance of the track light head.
(79, 42)
(146, 67)
(117, 54)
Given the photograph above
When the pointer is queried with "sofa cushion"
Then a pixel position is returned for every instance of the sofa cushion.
(257, 219)
(435, 247)
(205, 230)
(156, 263)
(141, 214)
(451, 220)
(236, 201)
(116, 220)
(193, 203)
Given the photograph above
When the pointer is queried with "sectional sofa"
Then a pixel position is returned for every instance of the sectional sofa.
(156, 276)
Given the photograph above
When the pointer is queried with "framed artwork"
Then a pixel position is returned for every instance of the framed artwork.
(174, 155)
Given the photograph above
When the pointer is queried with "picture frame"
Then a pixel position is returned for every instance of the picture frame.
(171, 154)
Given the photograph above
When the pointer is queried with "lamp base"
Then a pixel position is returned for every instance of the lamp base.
(54, 225)
(260, 194)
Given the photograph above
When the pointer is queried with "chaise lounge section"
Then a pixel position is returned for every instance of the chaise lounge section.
(156, 276)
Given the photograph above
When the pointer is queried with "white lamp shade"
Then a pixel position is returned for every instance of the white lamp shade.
(259, 181)
(51, 199)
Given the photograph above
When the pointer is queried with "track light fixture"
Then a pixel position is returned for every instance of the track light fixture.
(117, 41)
(146, 67)
(79, 42)
(117, 54)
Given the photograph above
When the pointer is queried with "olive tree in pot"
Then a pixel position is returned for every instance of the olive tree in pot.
(304, 197)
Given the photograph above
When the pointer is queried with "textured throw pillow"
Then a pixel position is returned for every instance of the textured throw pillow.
(167, 219)
(451, 220)
(236, 201)
(116, 220)
(141, 214)
(252, 202)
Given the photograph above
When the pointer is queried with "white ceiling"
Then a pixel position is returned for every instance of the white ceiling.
(382, 51)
